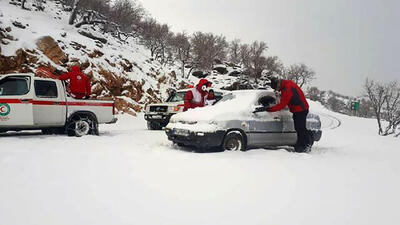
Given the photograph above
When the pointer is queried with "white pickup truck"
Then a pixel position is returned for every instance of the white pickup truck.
(32, 103)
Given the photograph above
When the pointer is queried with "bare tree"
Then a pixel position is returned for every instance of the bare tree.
(245, 55)
(74, 12)
(234, 52)
(391, 112)
(128, 14)
(101, 6)
(156, 37)
(314, 94)
(273, 66)
(206, 47)
(376, 93)
(336, 104)
(253, 58)
(300, 74)
(182, 48)
(366, 109)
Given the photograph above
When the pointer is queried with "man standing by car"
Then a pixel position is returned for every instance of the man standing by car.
(79, 83)
(293, 96)
(197, 96)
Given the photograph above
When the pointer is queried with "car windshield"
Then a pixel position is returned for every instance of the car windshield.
(177, 97)
(226, 97)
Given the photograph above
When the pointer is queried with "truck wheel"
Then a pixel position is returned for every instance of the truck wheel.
(153, 126)
(180, 144)
(81, 125)
(233, 141)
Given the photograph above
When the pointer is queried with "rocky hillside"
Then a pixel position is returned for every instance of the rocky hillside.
(120, 70)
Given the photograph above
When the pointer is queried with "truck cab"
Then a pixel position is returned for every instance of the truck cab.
(28, 102)
(158, 115)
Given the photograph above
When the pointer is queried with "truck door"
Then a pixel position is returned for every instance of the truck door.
(15, 101)
(49, 108)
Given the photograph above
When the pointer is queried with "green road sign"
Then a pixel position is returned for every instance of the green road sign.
(355, 106)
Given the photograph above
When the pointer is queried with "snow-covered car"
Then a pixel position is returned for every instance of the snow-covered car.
(32, 103)
(231, 124)
(158, 115)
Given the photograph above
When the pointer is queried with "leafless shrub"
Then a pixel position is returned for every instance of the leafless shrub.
(385, 99)
(300, 74)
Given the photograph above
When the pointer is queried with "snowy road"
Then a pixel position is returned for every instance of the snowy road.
(130, 175)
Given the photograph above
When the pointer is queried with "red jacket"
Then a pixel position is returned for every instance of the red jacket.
(196, 97)
(79, 83)
(292, 96)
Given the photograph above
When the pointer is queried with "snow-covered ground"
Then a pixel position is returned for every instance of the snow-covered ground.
(129, 175)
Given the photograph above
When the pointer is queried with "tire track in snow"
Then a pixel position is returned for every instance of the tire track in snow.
(331, 121)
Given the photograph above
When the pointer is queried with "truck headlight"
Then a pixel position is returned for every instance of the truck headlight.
(177, 108)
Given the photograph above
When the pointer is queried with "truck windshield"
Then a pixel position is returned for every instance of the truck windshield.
(14, 86)
(177, 97)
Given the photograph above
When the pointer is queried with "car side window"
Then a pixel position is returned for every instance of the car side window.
(267, 101)
(14, 86)
(46, 89)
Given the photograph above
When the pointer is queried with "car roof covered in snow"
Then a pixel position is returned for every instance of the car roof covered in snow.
(234, 105)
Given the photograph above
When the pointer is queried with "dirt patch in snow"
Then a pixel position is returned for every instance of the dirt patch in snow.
(18, 63)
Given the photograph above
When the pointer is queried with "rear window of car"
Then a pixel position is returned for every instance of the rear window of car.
(10, 86)
(46, 89)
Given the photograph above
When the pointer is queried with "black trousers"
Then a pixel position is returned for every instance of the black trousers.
(303, 136)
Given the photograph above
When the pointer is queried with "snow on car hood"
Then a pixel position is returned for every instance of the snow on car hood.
(237, 105)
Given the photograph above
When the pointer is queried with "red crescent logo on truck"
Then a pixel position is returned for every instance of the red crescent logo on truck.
(4, 109)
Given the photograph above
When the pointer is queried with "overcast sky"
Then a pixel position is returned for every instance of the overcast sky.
(344, 41)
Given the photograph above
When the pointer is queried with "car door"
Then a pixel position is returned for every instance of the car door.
(265, 128)
(16, 101)
(289, 135)
(49, 108)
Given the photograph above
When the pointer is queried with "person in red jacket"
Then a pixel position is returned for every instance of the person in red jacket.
(79, 83)
(197, 96)
(293, 97)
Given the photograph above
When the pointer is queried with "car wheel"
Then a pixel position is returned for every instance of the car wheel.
(153, 126)
(81, 125)
(233, 141)
(311, 137)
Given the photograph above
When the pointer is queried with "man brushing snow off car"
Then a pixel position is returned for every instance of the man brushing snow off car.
(197, 96)
(292, 96)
